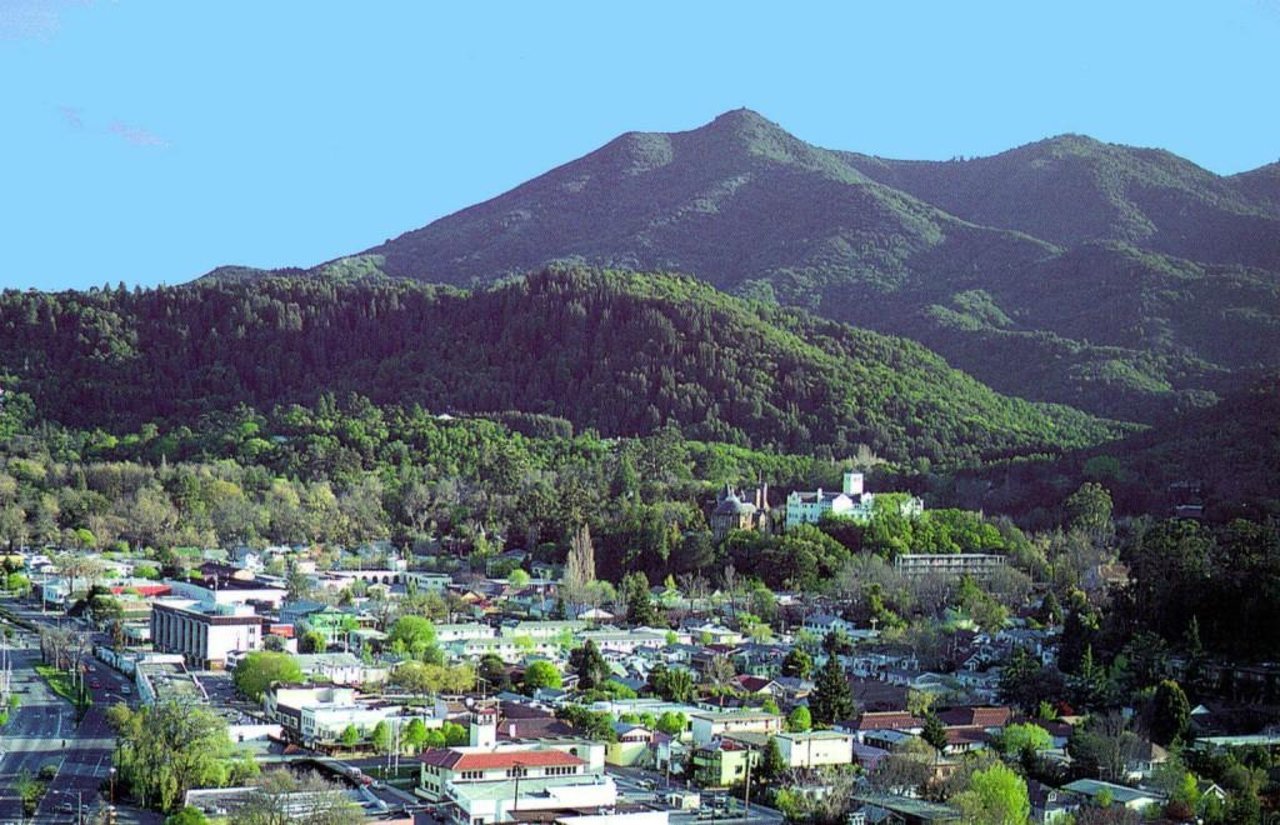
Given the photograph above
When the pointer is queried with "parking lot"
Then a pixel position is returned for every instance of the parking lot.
(638, 786)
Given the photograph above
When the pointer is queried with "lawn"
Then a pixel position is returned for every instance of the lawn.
(60, 683)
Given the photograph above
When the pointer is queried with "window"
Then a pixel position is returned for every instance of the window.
(472, 775)
(517, 771)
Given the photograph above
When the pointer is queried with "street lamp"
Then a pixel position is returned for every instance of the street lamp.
(111, 795)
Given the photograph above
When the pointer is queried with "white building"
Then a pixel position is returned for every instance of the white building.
(313, 714)
(510, 649)
(326, 723)
(204, 633)
(851, 501)
(479, 785)
(446, 633)
(624, 641)
(543, 630)
(978, 565)
(435, 582)
(341, 668)
(708, 726)
(816, 748)
(231, 591)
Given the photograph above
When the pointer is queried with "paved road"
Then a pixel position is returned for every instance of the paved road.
(33, 737)
(37, 731)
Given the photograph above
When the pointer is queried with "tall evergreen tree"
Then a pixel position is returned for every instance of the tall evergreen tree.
(832, 698)
(635, 591)
(590, 665)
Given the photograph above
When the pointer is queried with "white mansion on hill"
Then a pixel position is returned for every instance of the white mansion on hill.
(851, 502)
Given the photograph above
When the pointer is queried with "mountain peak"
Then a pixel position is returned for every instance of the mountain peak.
(745, 123)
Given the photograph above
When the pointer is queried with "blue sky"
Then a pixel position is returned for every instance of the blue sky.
(152, 141)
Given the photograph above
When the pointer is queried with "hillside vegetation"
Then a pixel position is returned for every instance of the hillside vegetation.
(1128, 282)
(625, 354)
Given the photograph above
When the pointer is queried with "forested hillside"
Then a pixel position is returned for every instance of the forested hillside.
(622, 353)
(1225, 458)
(1127, 282)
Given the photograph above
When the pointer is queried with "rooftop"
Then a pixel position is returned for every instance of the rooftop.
(458, 760)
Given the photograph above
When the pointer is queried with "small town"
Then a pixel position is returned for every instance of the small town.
(418, 685)
(663, 413)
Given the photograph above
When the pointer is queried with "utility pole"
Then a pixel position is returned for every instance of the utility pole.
(396, 759)
(515, 800)
(746, 788)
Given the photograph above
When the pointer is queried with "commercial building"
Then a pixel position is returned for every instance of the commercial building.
(317, 716)
(204, 633)
(481, 785)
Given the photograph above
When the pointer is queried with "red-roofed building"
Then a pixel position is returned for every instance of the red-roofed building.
(456, 759)
(149, 591)
(481, 785)
(900, 721)
(758, 685)
(977, 716)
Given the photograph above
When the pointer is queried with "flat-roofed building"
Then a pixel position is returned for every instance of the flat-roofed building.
(708, 726)
(976, 565)
(812, 749)
(202, 632)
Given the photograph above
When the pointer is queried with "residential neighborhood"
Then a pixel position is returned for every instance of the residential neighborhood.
(430, 690)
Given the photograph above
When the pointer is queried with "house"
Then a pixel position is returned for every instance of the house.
(317, 716)
(632, 747)
(987, 717)
(804, 751)
(510, 649)
(1095, 790)
(951, 565)
(1143, 763)
(1049, 805)
(722, 762)
(335, 623)
(447, 633)
(870, 723)
(543, 629)
(756, 686)
(428, 582)
(901, 810)
(709, 726)
(825, 623)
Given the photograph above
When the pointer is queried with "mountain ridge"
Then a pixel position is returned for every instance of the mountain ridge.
(1037, 237)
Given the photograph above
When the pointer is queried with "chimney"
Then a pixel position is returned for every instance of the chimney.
(852, 483)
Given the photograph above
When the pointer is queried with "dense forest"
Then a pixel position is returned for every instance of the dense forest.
(1127, 282)
(1225, 459)
(623, 354)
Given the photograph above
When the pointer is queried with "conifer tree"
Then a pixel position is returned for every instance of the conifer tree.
(832, 698)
